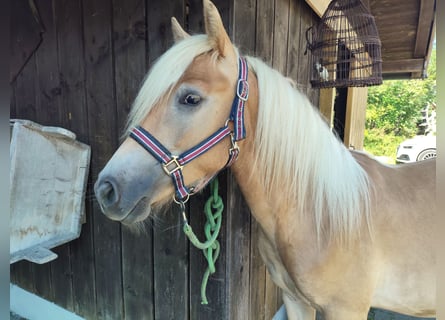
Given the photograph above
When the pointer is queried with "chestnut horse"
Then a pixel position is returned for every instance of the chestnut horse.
(340, 232)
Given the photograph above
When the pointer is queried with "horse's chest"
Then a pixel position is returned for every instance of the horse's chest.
(276, 268)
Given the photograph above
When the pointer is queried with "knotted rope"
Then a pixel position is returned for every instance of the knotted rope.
(213, 209)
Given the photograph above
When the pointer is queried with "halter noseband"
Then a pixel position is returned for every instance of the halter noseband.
(173, 165)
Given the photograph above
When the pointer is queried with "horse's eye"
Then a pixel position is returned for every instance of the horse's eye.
(191, 99)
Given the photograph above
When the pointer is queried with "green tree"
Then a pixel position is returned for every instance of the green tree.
(394, 110)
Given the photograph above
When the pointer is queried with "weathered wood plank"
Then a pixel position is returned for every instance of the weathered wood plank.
(406, 65)
(259, 304)
(264, 30)
(238, 241)
(68, 19)
(244, 13)
(25, 36)
(170, 246)
(74, 116)
(129, 35)
(46, 113)
(193, 21)
(22, 272)
(170, 267)
(159, 34)
(103, 140)
(303, 76)
(237, 253)
(293, 46)
(56, 286)
(281, 29)
(257, 279)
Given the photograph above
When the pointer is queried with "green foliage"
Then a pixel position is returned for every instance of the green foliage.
(381, 144)
(394, 110)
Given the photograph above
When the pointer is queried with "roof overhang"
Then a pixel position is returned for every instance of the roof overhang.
(406, 29)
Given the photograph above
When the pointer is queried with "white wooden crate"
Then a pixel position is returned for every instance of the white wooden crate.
(48, 177)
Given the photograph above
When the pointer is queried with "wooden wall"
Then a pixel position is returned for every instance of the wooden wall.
(84, 76)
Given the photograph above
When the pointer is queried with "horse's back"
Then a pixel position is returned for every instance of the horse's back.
(404, 207)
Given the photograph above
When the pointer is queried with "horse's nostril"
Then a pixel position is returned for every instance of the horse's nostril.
(107, 194)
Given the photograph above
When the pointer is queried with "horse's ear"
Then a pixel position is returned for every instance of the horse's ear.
(178, 32)
(215, 29)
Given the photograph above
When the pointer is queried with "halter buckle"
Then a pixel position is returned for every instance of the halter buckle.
(234, 145)
(242, 90)
(173, 162)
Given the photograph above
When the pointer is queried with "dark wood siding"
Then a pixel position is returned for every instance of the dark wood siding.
(83, 77)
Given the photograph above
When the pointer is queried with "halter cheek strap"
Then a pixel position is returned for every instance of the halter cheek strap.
(173, 165)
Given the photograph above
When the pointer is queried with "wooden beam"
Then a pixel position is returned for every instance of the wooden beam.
(319, 6)
(326, 104)
(403, 66)
(424, 26)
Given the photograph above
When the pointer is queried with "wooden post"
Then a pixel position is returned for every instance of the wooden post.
(355, 117)
(326, 104)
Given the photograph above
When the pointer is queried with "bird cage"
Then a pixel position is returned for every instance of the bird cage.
(345, 47)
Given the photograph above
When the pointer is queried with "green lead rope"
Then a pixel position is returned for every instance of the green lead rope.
(213, 210)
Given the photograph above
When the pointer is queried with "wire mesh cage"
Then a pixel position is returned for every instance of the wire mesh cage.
(345, 47)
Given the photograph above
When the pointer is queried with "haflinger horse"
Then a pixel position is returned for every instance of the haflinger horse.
(340, 232)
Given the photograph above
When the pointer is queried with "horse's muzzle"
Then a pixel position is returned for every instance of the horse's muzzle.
(107, 194)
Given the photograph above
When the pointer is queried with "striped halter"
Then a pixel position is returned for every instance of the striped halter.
(173, 164)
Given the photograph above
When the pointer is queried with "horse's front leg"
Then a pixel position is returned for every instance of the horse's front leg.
(295, 310)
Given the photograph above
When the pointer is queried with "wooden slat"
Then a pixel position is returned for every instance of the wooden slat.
(159, 33)
(22, 272)
(264, 48)
(52, 112)
(426, 17)
(313, 93)
(170, 246)
(238, 243)
(401, 66)
(47, 113)
(129, 48)
(237, 253)
(264, 30)
(262, 45)
(293, 46)
(194, 18)
(258, 276)
(170, 267)
(68, 16)
(303, 76)
(25, 36)
(281, 31)
(243, 26)
(103, 140)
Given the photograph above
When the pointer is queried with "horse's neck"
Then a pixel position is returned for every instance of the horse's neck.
(267, 211)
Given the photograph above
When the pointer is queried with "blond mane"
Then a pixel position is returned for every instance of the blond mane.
(297, 154)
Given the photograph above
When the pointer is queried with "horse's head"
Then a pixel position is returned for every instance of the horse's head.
(186, 98)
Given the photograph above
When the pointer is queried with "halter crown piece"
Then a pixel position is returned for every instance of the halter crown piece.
(173, 164)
